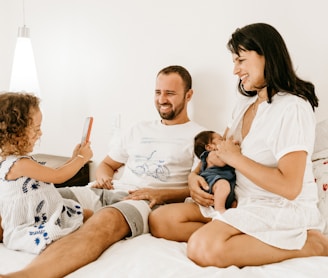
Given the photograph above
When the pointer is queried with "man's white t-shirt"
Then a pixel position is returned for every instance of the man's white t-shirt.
(155, 155)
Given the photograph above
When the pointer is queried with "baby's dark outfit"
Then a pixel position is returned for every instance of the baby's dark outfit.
(215, 173)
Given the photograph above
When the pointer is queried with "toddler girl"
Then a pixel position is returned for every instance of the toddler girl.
(33, 213)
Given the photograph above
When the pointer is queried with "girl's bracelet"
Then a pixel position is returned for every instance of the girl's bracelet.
(81, 156)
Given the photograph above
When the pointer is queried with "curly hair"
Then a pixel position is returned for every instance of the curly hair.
(15, 119)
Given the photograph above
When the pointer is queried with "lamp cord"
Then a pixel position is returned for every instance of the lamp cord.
(23, 2)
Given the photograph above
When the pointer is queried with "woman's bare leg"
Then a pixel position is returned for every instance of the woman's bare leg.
(176, 221)
(219, 244)
(75, 250)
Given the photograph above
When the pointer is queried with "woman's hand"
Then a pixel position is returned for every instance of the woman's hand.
(228, 150)
(196, 185)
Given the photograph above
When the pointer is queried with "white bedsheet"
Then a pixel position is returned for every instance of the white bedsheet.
(146, 256)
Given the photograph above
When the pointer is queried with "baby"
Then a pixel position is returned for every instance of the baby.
(220, 177)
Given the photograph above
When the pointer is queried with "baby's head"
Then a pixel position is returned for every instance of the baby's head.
(20, 120)
(206, 141)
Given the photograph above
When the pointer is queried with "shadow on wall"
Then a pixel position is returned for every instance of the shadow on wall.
(212, 101)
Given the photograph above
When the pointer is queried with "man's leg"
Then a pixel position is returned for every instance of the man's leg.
(83, 246)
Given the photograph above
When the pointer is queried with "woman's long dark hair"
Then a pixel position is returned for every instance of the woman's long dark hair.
(279, 73)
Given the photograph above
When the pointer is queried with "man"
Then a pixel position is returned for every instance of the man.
(157, 155)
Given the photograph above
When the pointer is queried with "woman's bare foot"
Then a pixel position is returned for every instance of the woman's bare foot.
(318, 243)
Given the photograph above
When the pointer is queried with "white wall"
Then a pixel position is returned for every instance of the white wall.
(100, 57)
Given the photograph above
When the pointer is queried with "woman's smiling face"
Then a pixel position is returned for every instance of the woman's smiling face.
(249, 66)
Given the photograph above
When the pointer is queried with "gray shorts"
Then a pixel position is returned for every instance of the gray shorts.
(135, 212)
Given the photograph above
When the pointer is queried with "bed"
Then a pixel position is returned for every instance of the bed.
(147, 256)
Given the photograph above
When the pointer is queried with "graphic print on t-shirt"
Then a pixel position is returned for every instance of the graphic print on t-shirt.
(147, 166)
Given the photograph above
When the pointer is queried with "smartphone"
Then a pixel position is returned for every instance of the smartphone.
(87, 129)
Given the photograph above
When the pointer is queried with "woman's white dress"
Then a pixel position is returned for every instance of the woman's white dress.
(283, 126)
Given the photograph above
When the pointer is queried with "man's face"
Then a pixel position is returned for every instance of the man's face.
(170, 97)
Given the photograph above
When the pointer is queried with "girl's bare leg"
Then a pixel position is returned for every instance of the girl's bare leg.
(176, 221)
(221, 245)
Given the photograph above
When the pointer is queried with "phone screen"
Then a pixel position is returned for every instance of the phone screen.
(87, 129)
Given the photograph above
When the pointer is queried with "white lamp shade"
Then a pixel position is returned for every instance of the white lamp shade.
(24, 75)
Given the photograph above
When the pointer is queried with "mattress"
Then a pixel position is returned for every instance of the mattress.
(147, 256)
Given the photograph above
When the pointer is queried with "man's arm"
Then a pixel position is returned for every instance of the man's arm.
(105, 172)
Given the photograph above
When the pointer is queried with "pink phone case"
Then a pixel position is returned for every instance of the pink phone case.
(87, 129)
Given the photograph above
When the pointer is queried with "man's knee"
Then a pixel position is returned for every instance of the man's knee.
(109, 221)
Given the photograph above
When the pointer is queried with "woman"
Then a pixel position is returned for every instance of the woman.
(269, 143)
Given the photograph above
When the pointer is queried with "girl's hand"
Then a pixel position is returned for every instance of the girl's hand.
(196, 185)
(84, 151)
(76, 150)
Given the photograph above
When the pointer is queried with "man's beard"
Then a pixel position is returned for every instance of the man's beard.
(173, 113)
(167, 116)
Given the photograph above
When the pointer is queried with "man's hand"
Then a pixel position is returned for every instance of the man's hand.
(104, 182)
(154, 196)
(196, 185)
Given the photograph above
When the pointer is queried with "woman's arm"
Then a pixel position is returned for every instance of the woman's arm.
(285, 180)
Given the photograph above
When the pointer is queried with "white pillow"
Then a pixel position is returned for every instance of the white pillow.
(321, 138)
(320, 171)
(320, 168)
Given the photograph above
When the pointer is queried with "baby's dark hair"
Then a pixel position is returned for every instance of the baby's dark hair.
(15, 118)
(201, 140)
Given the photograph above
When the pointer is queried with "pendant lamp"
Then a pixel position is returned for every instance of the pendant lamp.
(24, 73)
